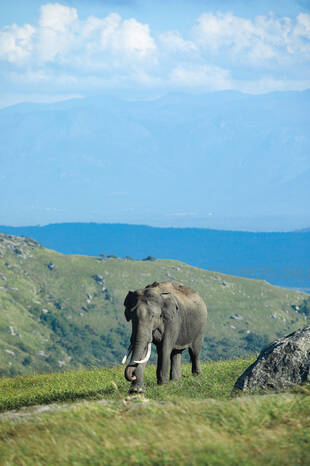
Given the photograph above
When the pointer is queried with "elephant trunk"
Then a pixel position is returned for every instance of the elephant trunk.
(140, 355)
(130, 373)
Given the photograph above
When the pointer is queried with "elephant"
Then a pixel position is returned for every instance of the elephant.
(173, 317)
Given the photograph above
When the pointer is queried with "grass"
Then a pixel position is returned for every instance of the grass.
(216, 381)
(192, 422)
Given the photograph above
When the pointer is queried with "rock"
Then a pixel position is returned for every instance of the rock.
(236, 317)
(51, 266)
(280, 365)
(98, 278)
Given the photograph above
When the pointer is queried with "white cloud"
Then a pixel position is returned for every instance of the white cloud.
(263, 39)
(222, 30)
(61, 37)
(57, 32)
(63, 51)
(205, 76)
(128, 36)
(303, 25)
(57, 17)
(16, 43)
(172, 40)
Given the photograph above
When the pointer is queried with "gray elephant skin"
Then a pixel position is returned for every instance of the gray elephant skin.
(173, 317)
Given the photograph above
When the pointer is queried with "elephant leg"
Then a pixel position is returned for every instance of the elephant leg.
(163, 364)
(137, 386)
(194, 353)
(176, 371)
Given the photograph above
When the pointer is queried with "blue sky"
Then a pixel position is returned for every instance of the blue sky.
(52, 51)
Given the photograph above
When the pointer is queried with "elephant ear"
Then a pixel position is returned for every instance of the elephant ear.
(170, 305)
(127, 314)
(129, 304)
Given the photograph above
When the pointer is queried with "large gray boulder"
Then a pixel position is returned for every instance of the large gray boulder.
(280, 365)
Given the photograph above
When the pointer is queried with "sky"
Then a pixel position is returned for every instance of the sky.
(142, 48)
(137, 50)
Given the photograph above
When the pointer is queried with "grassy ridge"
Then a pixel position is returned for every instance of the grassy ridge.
(192, 422)
(216, 381)
(66, 312)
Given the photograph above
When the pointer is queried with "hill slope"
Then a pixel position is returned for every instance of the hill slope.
(60, 311)
(280, 258)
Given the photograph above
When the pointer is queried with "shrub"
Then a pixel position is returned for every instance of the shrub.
(305, 308)
(255, 342)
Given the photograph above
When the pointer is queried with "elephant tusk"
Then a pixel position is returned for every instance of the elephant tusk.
(126, 355)
(147, 357)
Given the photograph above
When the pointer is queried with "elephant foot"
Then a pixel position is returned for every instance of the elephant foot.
(162, 382)
(135, 389)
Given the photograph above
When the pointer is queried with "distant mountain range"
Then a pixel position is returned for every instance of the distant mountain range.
(220, 160)
(280, 258)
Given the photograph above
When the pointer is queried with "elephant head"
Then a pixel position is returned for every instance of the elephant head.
(147, 309)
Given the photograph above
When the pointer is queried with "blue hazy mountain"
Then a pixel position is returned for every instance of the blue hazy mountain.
(280, 258)
(179, 160)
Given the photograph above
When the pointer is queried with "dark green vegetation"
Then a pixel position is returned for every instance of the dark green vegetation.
(59, 312)
(190, 422)
(280, 258)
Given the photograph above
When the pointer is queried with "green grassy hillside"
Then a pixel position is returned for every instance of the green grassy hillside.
(59, 312)
(190, 422)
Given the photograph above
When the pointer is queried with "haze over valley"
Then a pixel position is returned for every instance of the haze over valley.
(218, 160)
